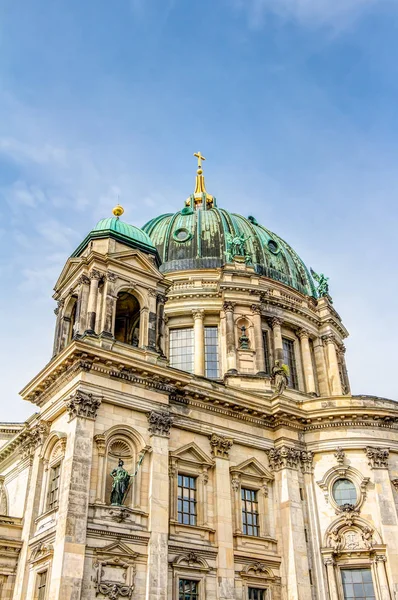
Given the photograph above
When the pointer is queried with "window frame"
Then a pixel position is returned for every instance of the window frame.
(292, 363)
(38, 574)
(194, 580)
(244, 512)
(258, 589)
(267, 351)
(194, 478)
(217, 346)
(173, 330)
(51, 467)
(357, 568)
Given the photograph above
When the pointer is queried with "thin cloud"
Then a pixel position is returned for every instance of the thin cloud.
(307, 12)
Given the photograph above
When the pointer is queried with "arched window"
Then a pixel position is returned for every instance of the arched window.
(127, 322)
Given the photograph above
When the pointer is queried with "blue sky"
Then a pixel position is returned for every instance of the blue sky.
(293, 103)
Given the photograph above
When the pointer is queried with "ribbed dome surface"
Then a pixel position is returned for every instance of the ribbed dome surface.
(198, 239)
(125, 229)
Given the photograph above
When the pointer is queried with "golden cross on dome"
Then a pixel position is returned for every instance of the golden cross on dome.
(200, 158)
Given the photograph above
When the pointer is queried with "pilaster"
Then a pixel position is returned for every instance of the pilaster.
(276, 324)
(220, 447)
(230, 337)
(159, 429)
(70, 539)
(307, 362)
(258, 339)
(199, 342)
(333, 365)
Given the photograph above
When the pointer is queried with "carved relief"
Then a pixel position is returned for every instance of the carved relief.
(35, 437)
(377, 457)
(83, 404)
(99, 439)
(351, 534)
(284, 457)
(344, 472)
(220, 446)
(160, 423)
(339, 455)
(306, 461)
(115, 571)
(229, 306)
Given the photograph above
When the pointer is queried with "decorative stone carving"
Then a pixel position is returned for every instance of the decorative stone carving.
(395, 483)
(276, 321)
(119, 514)
(3, 497)
(339, 455)
(350, 536)
(344, 472)
(83, 404)
(303, 333)
(35, 438)
(112, 277)
(228, 306)
(115, 571)
(83, 280)
(99, 439)
(258, 568)
(198, 313)
(306, 461)
(160, 423)
(329, 339)
(220, 446)
(235, 482)
(43, 550)
(95, 274)
(256, 309)
(284, 457)
(377, 457)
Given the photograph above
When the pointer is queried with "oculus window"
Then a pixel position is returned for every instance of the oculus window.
(344, 492)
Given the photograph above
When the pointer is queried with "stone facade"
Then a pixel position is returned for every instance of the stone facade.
(100, 400)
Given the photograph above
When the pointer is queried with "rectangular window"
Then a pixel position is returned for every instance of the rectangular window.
(181, 349)
(211, 352)
(53, 489)
(357, 584)
(186, 500)
(250, 512)
(266, 352)
(290, 360)
(256, 594)
(41, 583)
(188, 590)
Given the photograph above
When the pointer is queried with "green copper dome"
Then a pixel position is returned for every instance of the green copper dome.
(203, 238)
(123, 232)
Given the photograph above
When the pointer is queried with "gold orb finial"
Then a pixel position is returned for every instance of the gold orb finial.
(118, 210)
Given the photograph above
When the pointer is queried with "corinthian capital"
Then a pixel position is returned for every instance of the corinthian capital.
(198, 313)
(95, 274)
(256, 309)
(303, 333)
(276, 322)
(220, 446)
(229, 306)
(377, 457)
(160, 423)
(330, 338)
(284, 457)
(82, 404)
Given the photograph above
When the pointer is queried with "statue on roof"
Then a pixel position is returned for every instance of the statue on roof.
(236, 246)
(323, 286)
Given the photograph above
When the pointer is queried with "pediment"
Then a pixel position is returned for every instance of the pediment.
(193, 454)
(71, 268)
(252, 468)
(134, 259)
(117, 549)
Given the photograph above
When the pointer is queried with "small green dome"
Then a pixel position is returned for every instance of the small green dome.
(201, 239)
(123, 232)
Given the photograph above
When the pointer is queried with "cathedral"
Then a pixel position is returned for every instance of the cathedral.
(194, 436)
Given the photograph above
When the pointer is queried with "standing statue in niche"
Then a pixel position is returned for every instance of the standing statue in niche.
(280, 375)
(323, 286)
(121, 480)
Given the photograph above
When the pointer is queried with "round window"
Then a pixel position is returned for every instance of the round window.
(344, 492)
(181, 235)
(273, 247)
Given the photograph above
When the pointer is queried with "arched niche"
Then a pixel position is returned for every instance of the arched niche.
(119, 446)
(127, 318)
(70, 318)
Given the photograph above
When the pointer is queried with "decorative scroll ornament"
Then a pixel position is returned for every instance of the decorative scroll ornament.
(115, 571)
(160, 423)
(377, 457)
(220, 446)
(284, 457)
(339, 455)
(82, 404)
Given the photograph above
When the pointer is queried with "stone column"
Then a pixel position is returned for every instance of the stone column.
(100, 443)
(316, 534)
(220, 447)
(276, 325)
(230, 337)
(159, 428)
(199, 342)
(321, 368)
(160, 332)
(152, 320)
(95, 277)
(84, 282)
(285, 462)
(384, 588)
(30, 449)
(144, 320)
(58, 327)
(307, 362)
(258, 339)
(204, 478)
(330, 564)
(236, 490)
(388, 520)
(109, 308)
(333, 365)
(70, 538)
